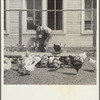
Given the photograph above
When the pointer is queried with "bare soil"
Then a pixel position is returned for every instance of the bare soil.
(48, 76)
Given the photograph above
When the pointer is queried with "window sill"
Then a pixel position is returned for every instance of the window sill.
(58, 32)
(32, 32)
(87, 32)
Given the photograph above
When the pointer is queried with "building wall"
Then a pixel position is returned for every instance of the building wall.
(71, 35)
(74, 36)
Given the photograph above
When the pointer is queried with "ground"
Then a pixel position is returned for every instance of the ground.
(48, 76)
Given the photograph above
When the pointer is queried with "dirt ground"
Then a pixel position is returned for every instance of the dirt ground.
(48, 76)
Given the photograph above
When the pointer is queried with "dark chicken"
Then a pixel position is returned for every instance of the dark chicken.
(65, 60)
(77, 64)
(57, 48)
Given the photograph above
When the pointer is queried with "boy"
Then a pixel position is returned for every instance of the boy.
(46, 34)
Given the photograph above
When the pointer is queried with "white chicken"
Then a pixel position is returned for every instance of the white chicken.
(29, 67)
(29, 62)
(7, 64)
(37, 59)
(5, 59)
(83, 55)
(27, 59)
(92, 62)
(50, 60)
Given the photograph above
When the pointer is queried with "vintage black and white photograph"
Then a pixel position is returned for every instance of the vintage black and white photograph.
(50, 42)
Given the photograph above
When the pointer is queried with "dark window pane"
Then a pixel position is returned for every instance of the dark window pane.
(38, 17)
(95, 4)
(30, 4)
(30, 24)
(4, 15)
(88, 15)
(88, 4)
(51, 4)
(51, 20)
(88, 25)
(38, 21)
(30, 13)
(58, 20)
(38, 4)
(58, 4)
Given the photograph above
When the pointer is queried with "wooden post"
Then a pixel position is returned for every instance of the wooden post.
(94, 24)
(20, 29)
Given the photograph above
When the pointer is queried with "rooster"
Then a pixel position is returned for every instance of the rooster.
(77, 64)
(57, 47)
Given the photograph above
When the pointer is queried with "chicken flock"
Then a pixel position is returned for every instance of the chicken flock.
(30, 62)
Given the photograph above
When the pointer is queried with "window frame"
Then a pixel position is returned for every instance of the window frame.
(83, 31)
(6, 31)
(55, 10)
(44, 13)
(33, 18)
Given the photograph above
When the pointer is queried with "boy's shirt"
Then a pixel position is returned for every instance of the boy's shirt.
(45, 29)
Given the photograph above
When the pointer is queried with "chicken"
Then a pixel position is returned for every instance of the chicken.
(83, 55)
(57, 64)
(28, 59)
(77, 64)
(27, 63)
(92, 62)
(37, 60)
(31, 67)
(54, 62)
(44, 61)
(57, 48)
(79, 59)
(7, 64)
(50, 59)
(5, 59)
(65, 60)
(19, 63)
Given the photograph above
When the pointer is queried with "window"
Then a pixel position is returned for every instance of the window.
(55, 16)
(4, 15)
(33, 17)
(87, 17)
(52, 14)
